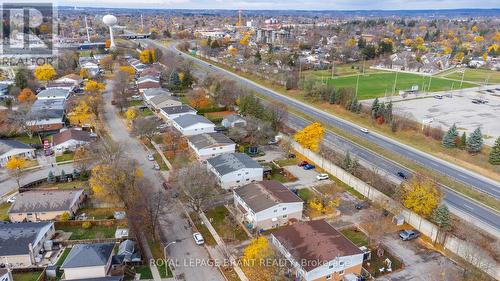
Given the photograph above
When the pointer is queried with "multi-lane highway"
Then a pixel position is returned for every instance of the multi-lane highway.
(467, 209)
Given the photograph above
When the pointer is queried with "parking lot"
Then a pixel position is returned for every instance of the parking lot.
(305, 178)
(458, 109)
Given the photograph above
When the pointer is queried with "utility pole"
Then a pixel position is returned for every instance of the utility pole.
(462, 81)
(142, 24)
(357, 82)
(395, 82)
(87, 29)
(364, 66)
(429, 87)
(333, 68)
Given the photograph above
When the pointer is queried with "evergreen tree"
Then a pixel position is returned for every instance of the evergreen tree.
(494, 157)
(258, 56)
(388, 113)
(215, 44)
(354, 105)
(21, 79)
(475, 141)
(347, 161)
(441, 217)
(63, 176)
(332, 97)
(174, 82)
(380, 110)
(375, 106)
(462, 143)
(450, 137)
(51, 178)
(187, 81)
(74, 175)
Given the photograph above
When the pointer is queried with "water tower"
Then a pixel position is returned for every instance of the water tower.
(110, 21)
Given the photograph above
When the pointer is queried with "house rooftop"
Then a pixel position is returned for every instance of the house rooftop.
(71, 134)
(313, 243)
(231, 162)
(178, 109)
(208, 140)
(188, 120)
(8, 145)
(85, 255)
(233, 117)
(55, 93)
(262, 195)
(16, 237)
(45, 200)
(156, 99)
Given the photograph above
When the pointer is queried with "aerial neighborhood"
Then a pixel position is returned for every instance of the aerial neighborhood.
(291, 143)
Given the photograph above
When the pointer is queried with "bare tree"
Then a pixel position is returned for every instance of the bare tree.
(277, 114)
(145, 127)
(119, 89)
(197, 185)
(22, 119)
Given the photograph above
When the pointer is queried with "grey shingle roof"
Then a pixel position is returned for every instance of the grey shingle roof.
(228, 163)
(178, 109)
(15, 237)
(7, 145)
(71, 134)
(262, 195)
(207, 140)
(84, 255)
(190, 119)
(58, 93)
(156, 91)
(233, 117)
(45, 200)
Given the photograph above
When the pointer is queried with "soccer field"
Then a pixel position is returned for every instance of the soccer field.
(475, 75)
(378, 84)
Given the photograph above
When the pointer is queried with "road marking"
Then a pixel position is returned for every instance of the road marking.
(468, 207)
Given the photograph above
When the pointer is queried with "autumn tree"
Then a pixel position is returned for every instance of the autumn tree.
(421, 195)
(15, 165)
(83, 159)
(84, 73)
(148, 56)
(82, 114)
(131, 114)
(45, 72)
(107, 63)
(94, 87)
(254, 259)
(128, 69)
(199, 99)
(323, 205)
(145, 127)
(26, 96)
(119, 89)
(311, 136)
(197, 185)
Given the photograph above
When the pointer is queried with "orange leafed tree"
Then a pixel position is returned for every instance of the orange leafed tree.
(199, 99)
(26, 96)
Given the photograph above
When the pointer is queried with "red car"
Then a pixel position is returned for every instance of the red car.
(303, 163)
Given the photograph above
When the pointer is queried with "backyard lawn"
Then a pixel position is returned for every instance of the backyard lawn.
(94, 232)
(26, 139)
(145, 112)
(26, 276)
(99, 213)
(377, 262)
(64, 185)
(377, 84)
(226, 225)
(357, 237)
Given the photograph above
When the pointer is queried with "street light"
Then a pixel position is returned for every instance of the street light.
(165, 252)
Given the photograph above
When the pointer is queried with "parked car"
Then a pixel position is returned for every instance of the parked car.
(364, 130)
(151, 157)
(303, 163)
(156, 166)
(439, 97)
(198, 239)
(407, 235)
(361, 205)
(402, 175)
(272, 142)
(291, 155)
(12, 199)
(220, 129)
(309, 167)
(322, 177)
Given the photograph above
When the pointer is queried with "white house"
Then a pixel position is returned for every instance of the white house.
(235, 169)
(267, 204)
(172, 112)
(13, 148)
(70, 139)
(192, 124)
(147, 82)
(92, 67)
(5, 275)
(210, 145)
(53, 93)
(317, 251)
(153, 92)
(233, 120)
(21, 243)
(88, 261)
(70, 78)
(160, 101)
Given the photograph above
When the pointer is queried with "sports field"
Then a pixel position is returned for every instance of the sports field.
(378, 84)
(475, 75)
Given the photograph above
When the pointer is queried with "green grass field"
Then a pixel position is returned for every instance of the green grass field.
(475, 75)
(377, 84)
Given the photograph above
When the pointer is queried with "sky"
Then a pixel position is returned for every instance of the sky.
(287, 4)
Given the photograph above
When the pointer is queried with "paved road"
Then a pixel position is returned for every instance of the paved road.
(173, 225)
(467, 209)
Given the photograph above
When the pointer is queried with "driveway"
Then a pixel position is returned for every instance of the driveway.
(273, 152)
(185, 254)
(305, 178)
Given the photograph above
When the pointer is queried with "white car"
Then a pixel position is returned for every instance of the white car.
(364, 130)
(198, 239)
(150, 157)
(12, 199)
(322, 177)
(157, 167)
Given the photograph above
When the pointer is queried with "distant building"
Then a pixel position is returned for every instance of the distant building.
(210, 145)
(317, 251)
(13, 148)
(272, 36)
(267, 204)
(47, 115)
(22, 243)
(44, 205)
(88, 261)
(53, 94)
(192, 124)
(235, 169)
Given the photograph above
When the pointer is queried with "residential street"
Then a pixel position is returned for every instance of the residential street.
(185, 254)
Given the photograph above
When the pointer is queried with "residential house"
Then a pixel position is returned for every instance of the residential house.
(210, 145)
(5, 275)
(47, 115)
(233, 120)
(147, 82)
(267, 204)
(152, 70)
(90, 64)
(192, 124)
(70, 139)
(235, 169)
(53, 93)
(60, 85)
(137, 65)
(4, 91)
(44, 205)
(88, 261)
(72, 78)
(160, 101)
(172, 112)
(128, 252)
(317, 251)
(13, 148)
(21, 243)
(150, 93)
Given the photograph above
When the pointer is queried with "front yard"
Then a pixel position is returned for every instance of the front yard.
(226, 225)
(65, 156)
